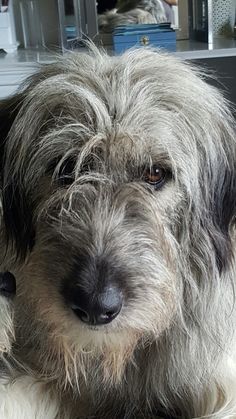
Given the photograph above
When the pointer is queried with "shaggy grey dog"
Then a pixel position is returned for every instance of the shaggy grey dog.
(132, 12)
(118, 190)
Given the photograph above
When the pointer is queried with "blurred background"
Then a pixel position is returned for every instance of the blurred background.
(63, 24)
(31, 31)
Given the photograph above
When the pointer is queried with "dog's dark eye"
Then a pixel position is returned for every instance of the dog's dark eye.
(66, 172)
(155, 176)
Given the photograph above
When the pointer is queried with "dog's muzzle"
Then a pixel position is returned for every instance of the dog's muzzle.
(94, 290)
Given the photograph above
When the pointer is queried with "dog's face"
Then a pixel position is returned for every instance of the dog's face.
(118, 197)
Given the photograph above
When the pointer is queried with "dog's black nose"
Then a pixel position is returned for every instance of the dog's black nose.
(97, 309)
(7, 284)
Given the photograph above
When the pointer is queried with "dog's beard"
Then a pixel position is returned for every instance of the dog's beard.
(70, 352)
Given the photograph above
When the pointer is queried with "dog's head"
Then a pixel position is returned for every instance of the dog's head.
(118, 198)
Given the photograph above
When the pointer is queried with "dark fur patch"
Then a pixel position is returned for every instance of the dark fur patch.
(223, 213)
(17, 210)
(220, 207)
(8, 111)
(17, 215)
(93, 274)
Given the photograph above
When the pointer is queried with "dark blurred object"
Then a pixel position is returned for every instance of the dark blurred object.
(7, 284)
(104, 5)
(69, 7)
(198, 20)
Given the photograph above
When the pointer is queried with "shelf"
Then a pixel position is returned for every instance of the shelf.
(24, 59)
(221, 47)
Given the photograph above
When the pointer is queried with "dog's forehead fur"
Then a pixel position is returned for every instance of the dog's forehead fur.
(141, 105)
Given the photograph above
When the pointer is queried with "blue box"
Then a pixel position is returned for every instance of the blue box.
(154, 35)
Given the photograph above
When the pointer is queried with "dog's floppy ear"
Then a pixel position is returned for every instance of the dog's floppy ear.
(223, 209)
(17, 214)
(212, 214)
(216, 212)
